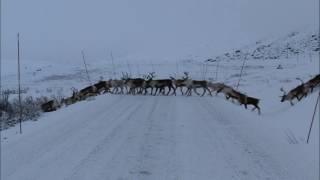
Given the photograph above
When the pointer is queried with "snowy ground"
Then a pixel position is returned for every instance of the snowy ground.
(144, 137)
(140, 137)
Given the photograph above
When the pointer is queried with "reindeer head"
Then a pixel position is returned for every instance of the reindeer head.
(125, 76)
(150, 76)
(284, 96)
(186, 76)
(74, 91)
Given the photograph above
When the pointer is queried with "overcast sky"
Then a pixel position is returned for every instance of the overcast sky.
(59, 29)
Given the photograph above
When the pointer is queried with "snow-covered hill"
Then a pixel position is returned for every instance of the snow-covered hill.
(295, 44)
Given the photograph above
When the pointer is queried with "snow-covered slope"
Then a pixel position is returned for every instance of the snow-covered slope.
(291, 45)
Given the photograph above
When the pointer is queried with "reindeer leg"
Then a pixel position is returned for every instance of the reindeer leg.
(187, 92)
(181, 89)
(204, 91)
(291, 103)
(174, 92)
(259, 112)
(156, 91)
(131, 90)
(163, 90)
(145, 90)
(169, 87)
(209, 91)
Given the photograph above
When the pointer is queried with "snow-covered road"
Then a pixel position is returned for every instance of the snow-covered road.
(145, 137)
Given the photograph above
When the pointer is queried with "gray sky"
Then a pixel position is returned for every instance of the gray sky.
(58, 29)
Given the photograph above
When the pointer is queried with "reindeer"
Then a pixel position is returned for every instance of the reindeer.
(148, 83)
(194, 84)
(116, 85)
(240, 97)
(228, 91)
(161, 84)
(102, 86)
(179, 83)
(71, 100)
(49, 106)
(216, 87)
(134, 84)
(247, 100)
(312, 83)
(297, 92)
(87, 92)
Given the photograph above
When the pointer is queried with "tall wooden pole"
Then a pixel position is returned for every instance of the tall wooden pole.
(314, 113)
(85, 66)
(19, 84)
(0, 53)
(242, 67)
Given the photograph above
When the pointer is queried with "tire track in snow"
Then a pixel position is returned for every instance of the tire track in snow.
(199, 157)
(258, 164)
(106, 148)
(157, 157)
(38, 150)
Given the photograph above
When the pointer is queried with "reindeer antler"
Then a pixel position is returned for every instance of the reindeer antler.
(125, 75)
(150, 75)
(186, 75)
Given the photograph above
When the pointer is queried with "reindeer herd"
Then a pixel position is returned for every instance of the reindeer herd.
(151, 86)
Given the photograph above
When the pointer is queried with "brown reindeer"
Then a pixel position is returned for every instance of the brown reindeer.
(49, 106)
(298, 93)
(148, 83)
(87, 92)
(241, 98)
(117, 85)
(313, 83)
(217, 87)
(247, 100)
(179, 83)
(194, 84)
(227, 91)
(161, 84)
(102, 87)
(135, 85)
(71, 100)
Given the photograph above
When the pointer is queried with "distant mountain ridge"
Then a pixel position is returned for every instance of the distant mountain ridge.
(291, 45)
